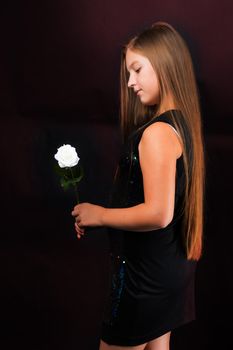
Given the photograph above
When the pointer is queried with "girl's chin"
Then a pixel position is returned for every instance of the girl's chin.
(148, 103)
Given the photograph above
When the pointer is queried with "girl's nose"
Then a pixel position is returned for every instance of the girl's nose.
(131, 81)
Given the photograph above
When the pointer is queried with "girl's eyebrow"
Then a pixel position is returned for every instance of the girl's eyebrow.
(132, 64)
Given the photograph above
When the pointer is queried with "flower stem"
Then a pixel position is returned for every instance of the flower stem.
(75, 186)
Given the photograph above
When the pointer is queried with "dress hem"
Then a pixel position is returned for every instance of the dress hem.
(116, 340)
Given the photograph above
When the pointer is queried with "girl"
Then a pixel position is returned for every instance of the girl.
(157, 199)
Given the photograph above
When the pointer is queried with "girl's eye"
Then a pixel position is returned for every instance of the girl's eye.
(138, 70)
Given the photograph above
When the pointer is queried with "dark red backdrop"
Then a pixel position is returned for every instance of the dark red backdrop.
(59, 83)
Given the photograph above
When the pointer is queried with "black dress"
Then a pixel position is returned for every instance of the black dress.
(151, 288)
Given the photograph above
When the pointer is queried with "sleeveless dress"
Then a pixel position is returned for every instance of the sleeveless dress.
(152, 284)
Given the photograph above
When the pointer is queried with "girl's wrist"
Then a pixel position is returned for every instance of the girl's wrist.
(103, 216)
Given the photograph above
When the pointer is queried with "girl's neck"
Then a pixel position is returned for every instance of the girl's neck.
(167, 105)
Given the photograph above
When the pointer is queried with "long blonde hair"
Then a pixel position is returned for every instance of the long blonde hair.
(171, 60)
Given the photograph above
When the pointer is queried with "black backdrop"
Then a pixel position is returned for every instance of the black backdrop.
(59, 83)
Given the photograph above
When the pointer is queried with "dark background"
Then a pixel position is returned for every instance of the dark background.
(59, 83)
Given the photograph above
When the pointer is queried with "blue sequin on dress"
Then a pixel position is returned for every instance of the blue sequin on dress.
(117, 284)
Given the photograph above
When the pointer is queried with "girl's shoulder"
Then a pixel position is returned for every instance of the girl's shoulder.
(162, 135)
(166, 117)
(176, 120)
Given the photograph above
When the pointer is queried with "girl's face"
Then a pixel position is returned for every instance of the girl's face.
(142, 78)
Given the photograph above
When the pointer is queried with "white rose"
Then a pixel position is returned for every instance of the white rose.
(66, 156)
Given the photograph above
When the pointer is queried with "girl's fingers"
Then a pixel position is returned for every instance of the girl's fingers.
(78, 234)
(80, 231)
(77, 219)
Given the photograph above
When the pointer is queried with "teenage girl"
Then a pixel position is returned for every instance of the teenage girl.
(157, 198)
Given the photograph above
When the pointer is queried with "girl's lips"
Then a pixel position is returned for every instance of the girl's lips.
(139, 91)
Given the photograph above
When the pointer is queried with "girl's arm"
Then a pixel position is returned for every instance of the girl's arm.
(159, 148)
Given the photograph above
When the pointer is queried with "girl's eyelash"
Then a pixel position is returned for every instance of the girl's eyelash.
(138, 70)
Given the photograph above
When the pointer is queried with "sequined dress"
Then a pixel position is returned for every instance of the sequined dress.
(152, 283)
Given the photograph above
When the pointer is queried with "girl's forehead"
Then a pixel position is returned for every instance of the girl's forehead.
(132, 57)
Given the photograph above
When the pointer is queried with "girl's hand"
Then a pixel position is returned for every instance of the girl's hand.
(87, 215)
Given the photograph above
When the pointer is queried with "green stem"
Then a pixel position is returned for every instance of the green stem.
(75, 187)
